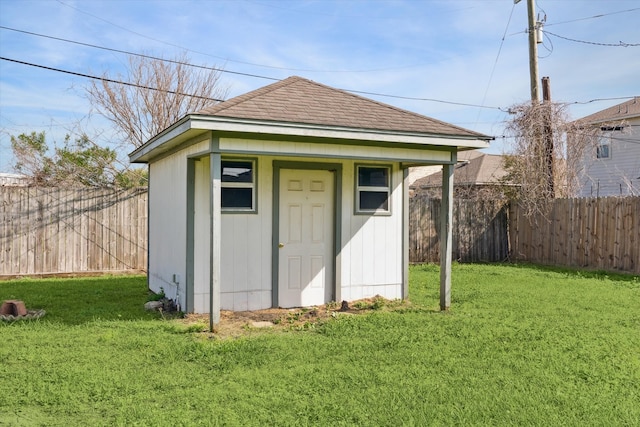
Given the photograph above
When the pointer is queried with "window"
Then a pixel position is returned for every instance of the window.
(372, 189)
(238, 185)
(603, 150)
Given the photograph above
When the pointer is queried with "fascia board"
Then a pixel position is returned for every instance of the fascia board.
(192, 125)
(227, 124)
(142, 153)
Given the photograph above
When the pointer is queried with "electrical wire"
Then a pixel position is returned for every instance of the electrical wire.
(495, 63)
(227, 59)
(593, 17)
(619, 44)
(220, 100)
(88, 76)
(221, 70)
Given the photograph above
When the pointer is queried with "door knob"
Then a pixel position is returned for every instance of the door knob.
(281, 245)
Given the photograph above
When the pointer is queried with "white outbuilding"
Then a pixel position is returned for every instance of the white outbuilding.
(295, 194)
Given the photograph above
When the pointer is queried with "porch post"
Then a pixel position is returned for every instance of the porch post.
(214, 240)
(405, 233)
(446, 228)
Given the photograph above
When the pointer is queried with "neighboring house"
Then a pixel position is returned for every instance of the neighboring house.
(291, 195)
(611, 167)
(13, 180)
(477, 174)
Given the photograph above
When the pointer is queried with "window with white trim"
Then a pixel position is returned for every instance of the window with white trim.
(603, 150)
(373, 187)
(238, 186)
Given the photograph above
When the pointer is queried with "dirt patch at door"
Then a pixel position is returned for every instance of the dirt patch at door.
(235, 324)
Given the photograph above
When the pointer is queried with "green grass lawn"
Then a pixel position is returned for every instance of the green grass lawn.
(521, 345)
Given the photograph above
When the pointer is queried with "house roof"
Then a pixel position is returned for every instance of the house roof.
(299, 100)
(300, 109)
(626, 110)
(474, 168)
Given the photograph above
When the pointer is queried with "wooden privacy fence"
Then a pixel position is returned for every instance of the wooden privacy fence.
(54, 230)
(479, 230)
(596, 233)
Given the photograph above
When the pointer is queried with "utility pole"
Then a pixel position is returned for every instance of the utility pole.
(533, 49)
(547, 133)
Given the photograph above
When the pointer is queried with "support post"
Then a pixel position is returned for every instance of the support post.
(214, 240)
(446, 229)
(405, 233)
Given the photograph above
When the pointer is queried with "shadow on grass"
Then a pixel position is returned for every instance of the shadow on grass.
(580, 273)
(574, 272)
(80, 300)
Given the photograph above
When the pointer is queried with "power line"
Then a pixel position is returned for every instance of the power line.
(619, 44)
(220, 100)
(421, 99)
(593, 17)
(346, 90)
(88, 76)
(221, 70)
(226, 59)
(495, 63)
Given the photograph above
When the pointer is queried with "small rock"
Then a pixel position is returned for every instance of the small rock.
(153, 305)
(261, 324)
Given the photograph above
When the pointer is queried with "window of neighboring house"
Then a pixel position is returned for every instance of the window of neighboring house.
(238, 188)
(373, 188)
(603, 150)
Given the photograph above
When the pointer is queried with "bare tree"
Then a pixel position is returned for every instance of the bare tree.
(158, 94)
(541, 169)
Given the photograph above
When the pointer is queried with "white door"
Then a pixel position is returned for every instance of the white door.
(305, 271)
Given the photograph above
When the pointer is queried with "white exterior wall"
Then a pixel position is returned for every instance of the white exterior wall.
(618, 175)
(371, 255)
(167, 223)
(246, 249)
(371, 245)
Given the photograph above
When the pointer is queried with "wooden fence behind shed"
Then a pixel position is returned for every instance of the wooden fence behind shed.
(54, 230)
(57, 231)
(479, 230)
(594, 233)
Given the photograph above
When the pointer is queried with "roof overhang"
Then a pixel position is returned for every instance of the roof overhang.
(192, 126)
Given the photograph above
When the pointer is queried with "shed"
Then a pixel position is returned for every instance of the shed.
(294, 194)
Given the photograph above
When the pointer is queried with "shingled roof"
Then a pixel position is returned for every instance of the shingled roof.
(625, 110)
(475, 168)
(298, 100)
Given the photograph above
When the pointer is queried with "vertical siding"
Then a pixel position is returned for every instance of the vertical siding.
(372, 259)
(246, 252)
(167, 222)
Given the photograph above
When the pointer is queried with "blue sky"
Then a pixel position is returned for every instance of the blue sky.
(458, 51)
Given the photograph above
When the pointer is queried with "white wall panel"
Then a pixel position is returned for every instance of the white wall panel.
(167, 221)
(246, 250)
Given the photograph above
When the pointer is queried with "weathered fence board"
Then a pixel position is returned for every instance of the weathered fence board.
(56, 230)
(50, 230)
(601, 233)
(479, 230)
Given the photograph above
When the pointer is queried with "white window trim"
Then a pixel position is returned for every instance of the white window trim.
(359, 189)
(253, 185)
(605, 141)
